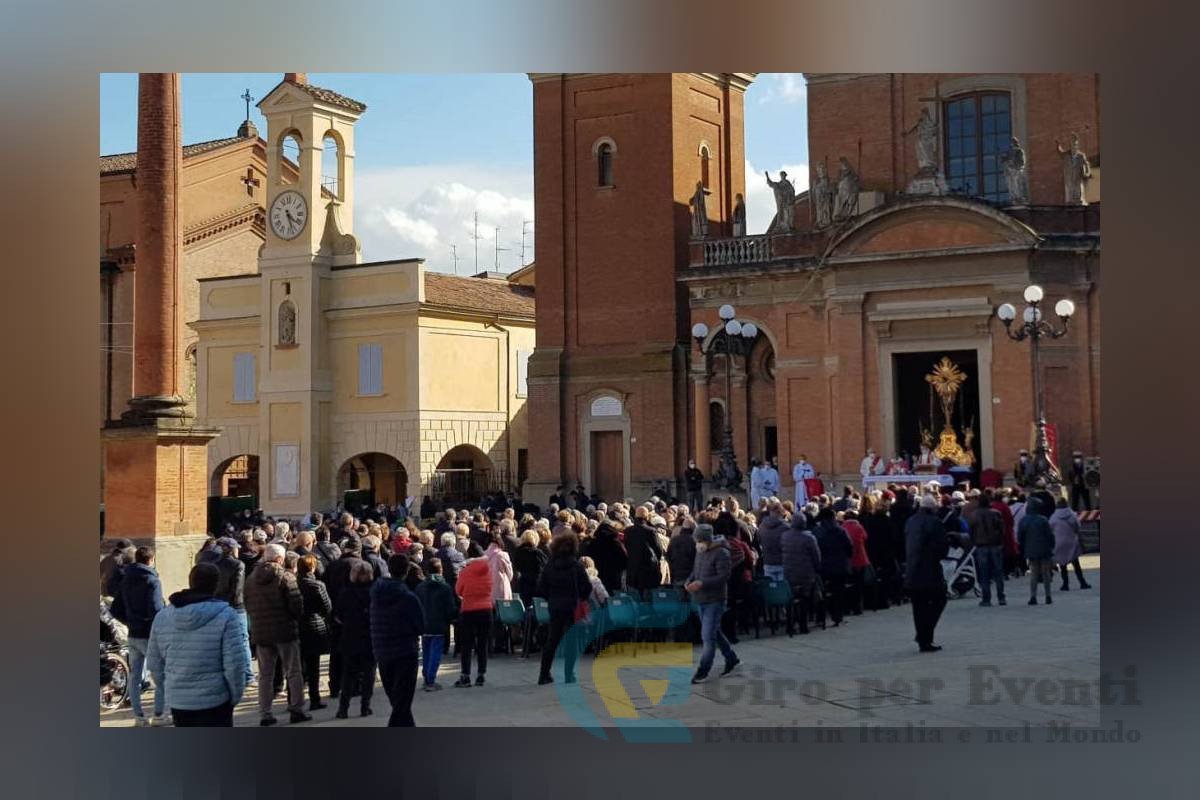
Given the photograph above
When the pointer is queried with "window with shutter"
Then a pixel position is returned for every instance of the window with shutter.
(370, 369)
(243, 378)
(523, 372)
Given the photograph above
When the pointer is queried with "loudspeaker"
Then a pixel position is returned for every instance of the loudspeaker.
(1091, 472)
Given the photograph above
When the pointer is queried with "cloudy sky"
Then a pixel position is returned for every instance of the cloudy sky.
(434, 150)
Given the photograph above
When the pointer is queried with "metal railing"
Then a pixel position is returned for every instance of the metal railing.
(741, 250)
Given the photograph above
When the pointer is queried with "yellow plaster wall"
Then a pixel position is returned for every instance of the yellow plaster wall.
(460, 371)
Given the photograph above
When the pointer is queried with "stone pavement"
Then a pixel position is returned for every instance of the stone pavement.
(1001, 667)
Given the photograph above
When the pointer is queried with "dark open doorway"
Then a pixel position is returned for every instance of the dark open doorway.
(916, 409)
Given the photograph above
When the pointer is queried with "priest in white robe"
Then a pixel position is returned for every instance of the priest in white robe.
(756, 483)
(800, 473)
(770, 486)
(870, 465)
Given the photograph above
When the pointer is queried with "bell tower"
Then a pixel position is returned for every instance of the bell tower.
(310, 207)
(617, 158)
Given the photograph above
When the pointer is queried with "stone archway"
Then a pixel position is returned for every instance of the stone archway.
(372, 478)
(236, 476)
(463, 475)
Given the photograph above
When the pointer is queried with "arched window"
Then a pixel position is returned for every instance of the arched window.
(716, 425)
(289, 157)
(604, 164)
(607, 405)
(978, 131)
(331, 165)
(705, 156)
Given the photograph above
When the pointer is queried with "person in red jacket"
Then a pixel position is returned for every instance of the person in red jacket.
(474, 586)
(1012, 558)
(859, 561)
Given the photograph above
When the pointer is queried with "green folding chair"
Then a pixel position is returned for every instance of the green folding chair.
(511, 614)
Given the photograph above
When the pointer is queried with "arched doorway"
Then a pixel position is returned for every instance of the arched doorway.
(233, 488)
(236, 477)
(371, 478)
(463, 476)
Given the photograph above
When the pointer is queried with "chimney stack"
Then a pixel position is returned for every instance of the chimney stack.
(300, 78)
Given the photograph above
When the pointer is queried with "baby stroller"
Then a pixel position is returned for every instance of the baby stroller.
(959, 568)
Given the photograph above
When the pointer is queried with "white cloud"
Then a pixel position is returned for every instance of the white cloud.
(785, 87)
(408, 212)
(760, 200)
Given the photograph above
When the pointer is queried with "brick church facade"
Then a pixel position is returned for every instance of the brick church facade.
(850, 314)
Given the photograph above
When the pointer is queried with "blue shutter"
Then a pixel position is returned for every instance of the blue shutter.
(376, 369)
(370, 369)
(243, 378)
(364, 369)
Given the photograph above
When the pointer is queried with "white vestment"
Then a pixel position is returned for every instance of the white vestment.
(801, 472)
(756, 486)
(770, 482)
(871, 465)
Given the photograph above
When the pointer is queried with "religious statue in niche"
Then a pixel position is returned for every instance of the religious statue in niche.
(822, 198)
(1014, 174)
(1076, 171)
(287, 323)
(699, 211)
(785, 202)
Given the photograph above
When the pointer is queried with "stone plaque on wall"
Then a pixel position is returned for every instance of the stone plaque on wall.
(286, 460)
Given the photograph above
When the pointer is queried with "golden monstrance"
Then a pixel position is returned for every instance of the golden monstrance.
(945, 381)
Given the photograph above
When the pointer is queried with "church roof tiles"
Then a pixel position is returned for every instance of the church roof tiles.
(127, 162)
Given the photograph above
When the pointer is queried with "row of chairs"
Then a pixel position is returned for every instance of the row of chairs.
(663, 610)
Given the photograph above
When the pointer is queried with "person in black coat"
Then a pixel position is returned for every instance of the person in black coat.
(926, 543)
(879, 550)
(231, 583)
(898, 513)
(337, 578)
(326, 551)
(314, 627)
(352, 611)
(564, 583)
(528, 562)
(137, 602)
(397, 622)
(370, 554)
(836, 549)
(606, 549)
(642, 573)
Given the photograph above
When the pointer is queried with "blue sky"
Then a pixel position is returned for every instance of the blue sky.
(431, 150)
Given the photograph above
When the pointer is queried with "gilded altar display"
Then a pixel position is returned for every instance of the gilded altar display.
(945, 382)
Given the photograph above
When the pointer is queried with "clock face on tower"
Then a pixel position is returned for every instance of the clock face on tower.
(289, 214)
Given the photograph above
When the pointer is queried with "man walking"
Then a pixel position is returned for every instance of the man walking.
(196, 653)
(926, 545)
(397, 622)
(987, 535)
(138, 601)
(274, 605)
(708, 584)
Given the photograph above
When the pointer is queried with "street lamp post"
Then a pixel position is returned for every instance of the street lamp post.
(735, 338)
(1034, 328)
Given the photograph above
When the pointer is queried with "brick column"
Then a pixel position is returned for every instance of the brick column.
(156, 457)
(159, 244)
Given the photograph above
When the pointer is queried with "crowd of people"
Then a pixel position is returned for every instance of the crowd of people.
(389, 593)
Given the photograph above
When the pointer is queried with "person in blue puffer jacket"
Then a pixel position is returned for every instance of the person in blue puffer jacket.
(196, 653)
